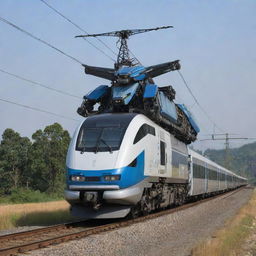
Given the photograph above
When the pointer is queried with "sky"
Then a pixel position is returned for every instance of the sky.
(214, 40)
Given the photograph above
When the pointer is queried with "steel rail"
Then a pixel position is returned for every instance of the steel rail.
(76, 233)
(39, 230)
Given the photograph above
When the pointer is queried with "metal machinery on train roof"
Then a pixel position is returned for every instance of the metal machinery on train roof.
(133, 90)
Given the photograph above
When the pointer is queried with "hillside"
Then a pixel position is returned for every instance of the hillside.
(242, 159)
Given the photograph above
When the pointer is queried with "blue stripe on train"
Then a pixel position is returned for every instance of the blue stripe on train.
(129, 175)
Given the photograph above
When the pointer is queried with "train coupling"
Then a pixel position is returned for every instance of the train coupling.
(92, 198)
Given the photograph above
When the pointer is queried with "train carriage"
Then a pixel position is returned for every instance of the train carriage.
(209, 177)
(124, 163)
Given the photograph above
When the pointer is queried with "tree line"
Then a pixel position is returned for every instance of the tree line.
(37, 164)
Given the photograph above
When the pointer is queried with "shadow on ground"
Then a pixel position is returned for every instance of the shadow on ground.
(44, 218)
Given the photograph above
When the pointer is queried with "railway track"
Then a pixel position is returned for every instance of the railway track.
(21, 242)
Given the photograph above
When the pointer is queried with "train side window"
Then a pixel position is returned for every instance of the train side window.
(143, 131)
(140, 134)
(198, 171)
(151, 130)
(162, 153)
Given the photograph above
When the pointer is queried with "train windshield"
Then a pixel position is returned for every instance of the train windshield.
(101, 134)
(100, 139)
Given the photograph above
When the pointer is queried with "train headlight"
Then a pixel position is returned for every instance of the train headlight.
(112, 177)
(77, 178)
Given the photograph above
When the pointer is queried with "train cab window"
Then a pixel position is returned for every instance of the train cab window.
(144, 130)
(100, 139)
(162, 153)
(101, 133)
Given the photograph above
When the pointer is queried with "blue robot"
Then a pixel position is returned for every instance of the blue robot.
(132, 89)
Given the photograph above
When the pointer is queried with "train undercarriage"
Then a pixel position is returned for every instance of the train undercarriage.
(91, 204)
(158, 197)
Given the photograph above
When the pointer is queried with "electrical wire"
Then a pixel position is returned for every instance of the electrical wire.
(39, 84)
(135, 57)
(38, 110)
(40, 40)
(81, 29)
(78, 61)
(197, 102)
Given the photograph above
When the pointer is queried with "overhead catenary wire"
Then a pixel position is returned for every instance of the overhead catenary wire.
(229, 139)
(83, 30)
(39, 84)
(40, 40)
(197, 102)
(38, 109)
(78, 61)
(135, 57)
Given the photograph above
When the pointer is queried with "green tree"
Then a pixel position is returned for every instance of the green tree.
(13, 160)
(47, 159)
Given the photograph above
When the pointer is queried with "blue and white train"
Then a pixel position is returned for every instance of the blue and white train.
(120, 164)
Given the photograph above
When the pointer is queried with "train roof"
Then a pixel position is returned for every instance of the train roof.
(108, 119)
(116, 119)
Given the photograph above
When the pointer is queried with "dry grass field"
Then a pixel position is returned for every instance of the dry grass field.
(34, 214)
(230, 240)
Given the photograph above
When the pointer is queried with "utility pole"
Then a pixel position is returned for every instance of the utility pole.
(227, 153)
(226, 137)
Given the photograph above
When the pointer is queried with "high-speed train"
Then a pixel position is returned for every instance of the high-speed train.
(123, 163)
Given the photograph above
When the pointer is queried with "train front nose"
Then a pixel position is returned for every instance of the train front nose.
(122, 186)
(94, 179)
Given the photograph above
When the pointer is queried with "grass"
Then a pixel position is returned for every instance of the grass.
(229, 240)
(34, 214)
(23, 195)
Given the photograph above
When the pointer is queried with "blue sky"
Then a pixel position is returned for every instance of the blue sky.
(214, 40)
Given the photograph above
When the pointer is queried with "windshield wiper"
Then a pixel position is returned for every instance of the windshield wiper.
(98, 143)
(82, 150)
(110, 149)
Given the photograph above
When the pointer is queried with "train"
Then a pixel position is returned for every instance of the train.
(124, 164)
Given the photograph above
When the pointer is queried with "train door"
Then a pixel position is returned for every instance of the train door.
(218, 177)
(206, 177)
(190, 171)
(151, 163)
(163, 154)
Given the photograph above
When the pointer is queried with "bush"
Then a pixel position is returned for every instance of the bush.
(22, 195)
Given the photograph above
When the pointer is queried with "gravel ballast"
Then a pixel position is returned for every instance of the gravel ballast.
(174, 234)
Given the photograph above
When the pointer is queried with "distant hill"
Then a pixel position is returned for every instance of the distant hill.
(242, 160)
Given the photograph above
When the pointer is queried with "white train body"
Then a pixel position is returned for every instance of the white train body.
(207, 176)
(118, 163)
